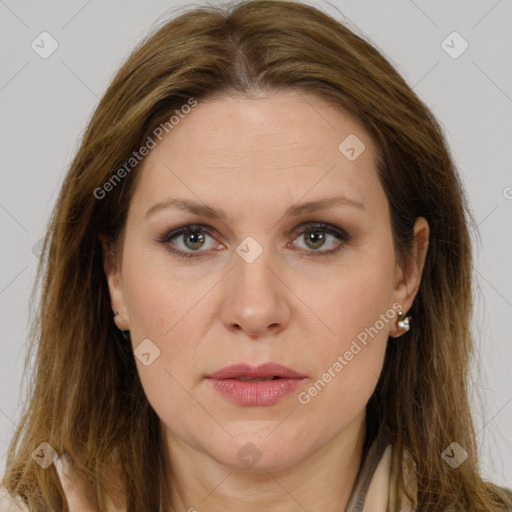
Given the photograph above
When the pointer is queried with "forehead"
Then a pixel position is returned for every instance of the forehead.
(253, 151)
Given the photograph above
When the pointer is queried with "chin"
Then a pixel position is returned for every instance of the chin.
(258, 452)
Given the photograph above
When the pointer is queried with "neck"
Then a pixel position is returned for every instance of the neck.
(320, 482)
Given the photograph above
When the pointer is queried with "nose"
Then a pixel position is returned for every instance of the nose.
(256, 297)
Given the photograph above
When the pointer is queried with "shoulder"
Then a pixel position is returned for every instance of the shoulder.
(10, 504)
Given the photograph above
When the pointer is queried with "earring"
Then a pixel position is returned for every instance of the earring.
(124, 333)
(404, 322)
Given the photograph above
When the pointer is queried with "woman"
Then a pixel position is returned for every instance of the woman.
(257, 286)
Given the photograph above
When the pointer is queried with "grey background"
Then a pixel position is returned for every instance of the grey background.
(45, 105)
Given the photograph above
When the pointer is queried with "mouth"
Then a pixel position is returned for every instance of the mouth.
(255, 386)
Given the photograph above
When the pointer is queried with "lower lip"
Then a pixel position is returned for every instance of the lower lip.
(265, 392)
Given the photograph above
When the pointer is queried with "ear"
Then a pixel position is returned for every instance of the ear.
(112, 268)
(407, 280)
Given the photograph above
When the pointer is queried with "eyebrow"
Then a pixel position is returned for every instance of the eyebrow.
(220, 214)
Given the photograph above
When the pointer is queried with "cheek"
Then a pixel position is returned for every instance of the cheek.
(157, 295)
(356, 315)
(351, 297)
(151, 302)
(166, 306)
(161, 309)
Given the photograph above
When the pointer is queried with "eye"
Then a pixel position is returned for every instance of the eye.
(316, 234)
(191, 237)
(187, 241)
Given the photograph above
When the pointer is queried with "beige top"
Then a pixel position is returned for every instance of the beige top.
(373, 490)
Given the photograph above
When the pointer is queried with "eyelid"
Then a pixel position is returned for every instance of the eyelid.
(173, 233)
(320, 226)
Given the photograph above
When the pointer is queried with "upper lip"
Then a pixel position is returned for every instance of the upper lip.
(262, 371)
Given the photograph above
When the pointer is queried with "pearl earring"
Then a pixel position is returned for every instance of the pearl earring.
(124, 333)
(404, 322)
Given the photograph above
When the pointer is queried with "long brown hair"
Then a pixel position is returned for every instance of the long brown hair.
(86, 399)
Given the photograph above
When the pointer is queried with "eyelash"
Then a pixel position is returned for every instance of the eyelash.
(312, 226)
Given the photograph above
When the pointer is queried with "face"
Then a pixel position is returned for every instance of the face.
(312, 289)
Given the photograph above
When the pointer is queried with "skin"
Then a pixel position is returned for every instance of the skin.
(254, 157)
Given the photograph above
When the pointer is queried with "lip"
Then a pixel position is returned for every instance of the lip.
(262, 371)
(255, 393)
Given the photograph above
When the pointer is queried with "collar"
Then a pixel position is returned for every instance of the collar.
(376, 488)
